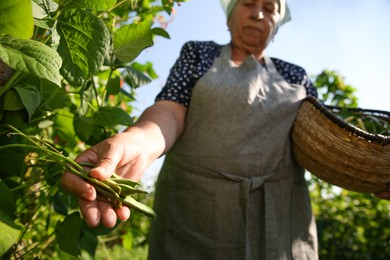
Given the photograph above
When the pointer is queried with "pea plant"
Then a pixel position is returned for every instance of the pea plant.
(68, 72)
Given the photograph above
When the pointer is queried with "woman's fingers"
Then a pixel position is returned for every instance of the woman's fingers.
(97, 212)
(123, 213)
(101, 171)
(77, 186)
(90, 211)
(108, 214)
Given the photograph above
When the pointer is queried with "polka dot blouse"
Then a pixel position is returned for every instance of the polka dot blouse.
(195, 60)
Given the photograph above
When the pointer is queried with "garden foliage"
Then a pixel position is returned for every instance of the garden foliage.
(68, 72)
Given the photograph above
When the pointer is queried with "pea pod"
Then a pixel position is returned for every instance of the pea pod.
(112, 184)
(105, 196)
(125, 181)
(138, 206)
(128, 190)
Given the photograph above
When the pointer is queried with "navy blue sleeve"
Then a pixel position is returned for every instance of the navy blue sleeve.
(194, 61)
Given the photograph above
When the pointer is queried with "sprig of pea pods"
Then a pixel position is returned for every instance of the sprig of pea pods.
(115, 190)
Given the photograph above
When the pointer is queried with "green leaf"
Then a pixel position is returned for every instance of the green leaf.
(53, 96)
(128, 240)
(167, 5)
(112, 116)
(89, 243)
(68, 234)
(127, 94)
(130, 40)
(38, 11)
(31, 57)
(88, 131)
(160, 32)
(16, 18)
(9, 233)
(12, 101)
(7, 202)
(62, 127)
(16, 118)
(100, 230)
(41, 13)
(23, 96)
(30, 97)
(146, 68)
(114, 85)
(46, 6)
(97, 5)
(84, 127)
(84, 41)
(53, 174)
(43, 23)
(11, 160)
(135, 78)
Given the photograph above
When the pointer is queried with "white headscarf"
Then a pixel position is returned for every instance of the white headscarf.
(285, 16)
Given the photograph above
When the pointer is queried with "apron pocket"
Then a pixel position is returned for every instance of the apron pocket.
(192, 205)
(184, 227)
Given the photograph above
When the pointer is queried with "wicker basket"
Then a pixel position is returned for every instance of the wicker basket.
(338, 152)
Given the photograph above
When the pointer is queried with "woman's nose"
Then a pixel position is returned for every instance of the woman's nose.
(257, 14)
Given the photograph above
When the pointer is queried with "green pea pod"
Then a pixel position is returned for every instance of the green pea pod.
(87, 164)
(103, 186)
(108, 197)
(127, 190)
(138, 206)
(115, 186)
(125, 181)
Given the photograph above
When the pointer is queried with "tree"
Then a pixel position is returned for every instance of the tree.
(350, 225)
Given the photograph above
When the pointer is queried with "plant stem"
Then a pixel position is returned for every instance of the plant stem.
(38, 146)
(8, 85)
(49, 239)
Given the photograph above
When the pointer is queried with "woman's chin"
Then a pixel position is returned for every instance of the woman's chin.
(254, 47)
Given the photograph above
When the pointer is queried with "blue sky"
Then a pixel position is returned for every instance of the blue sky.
(349, 36)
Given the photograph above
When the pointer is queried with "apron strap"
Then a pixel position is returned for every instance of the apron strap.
(271, 226)
(248, 185)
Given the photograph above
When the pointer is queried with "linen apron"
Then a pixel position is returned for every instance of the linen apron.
(229, 188)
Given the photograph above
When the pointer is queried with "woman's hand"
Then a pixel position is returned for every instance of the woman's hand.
(122, 153)
(128, 154)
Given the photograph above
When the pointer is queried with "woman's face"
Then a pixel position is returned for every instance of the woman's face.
(249, 33)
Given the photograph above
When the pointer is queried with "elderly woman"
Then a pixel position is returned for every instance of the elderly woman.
(229, 188)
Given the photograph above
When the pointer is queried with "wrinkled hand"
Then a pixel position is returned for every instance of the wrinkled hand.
(122, 153)
(128, 154)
